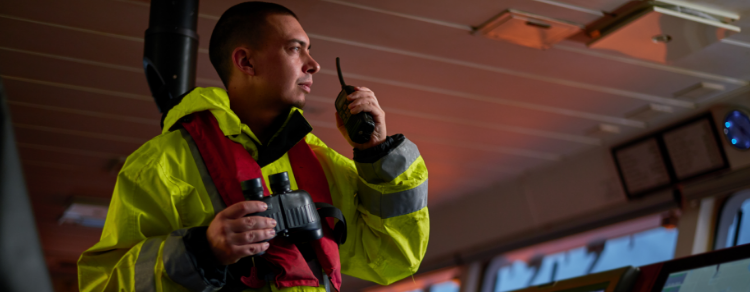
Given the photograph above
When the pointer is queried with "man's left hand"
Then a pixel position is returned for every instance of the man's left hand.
(364, 100)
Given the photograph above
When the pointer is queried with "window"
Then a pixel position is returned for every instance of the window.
(447, 286)
(445, 280)
(638, 249)
(733, 226)
(739, 230)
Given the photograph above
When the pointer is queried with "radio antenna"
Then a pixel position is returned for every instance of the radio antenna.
(338, 69)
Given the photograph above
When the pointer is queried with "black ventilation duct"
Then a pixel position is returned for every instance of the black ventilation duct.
(170, 50)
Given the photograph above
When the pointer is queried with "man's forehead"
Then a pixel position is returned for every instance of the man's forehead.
(287, 29)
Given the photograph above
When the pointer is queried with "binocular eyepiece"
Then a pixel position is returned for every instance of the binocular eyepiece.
(253, 189)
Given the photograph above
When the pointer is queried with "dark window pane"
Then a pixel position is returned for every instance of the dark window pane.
(640, 249)
(574, 263)
(545, 271)
(512, 277)
(743, 219)
(744, 236)
(730, 234)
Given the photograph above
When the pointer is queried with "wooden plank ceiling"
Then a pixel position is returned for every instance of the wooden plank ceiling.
(481, 111)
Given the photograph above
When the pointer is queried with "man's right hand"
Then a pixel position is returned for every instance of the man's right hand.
(233, 236)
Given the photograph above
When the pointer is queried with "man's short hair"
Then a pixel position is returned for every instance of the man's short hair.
(242, 24)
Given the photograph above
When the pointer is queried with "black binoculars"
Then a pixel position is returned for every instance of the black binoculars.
(296, 216)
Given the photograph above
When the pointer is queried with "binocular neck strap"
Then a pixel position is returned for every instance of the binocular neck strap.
(329, 211)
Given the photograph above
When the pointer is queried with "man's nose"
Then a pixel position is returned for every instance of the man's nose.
(311, 66)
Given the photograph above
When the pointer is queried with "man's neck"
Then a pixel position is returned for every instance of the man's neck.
(264, 124)
(263, 118)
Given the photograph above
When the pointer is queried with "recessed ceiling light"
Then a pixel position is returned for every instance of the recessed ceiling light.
(699, 91)
(603, 130)
(650, 112)
(526, 29)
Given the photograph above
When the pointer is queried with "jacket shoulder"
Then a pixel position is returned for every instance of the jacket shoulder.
(314, 141)
(326, 154)
(167, 149)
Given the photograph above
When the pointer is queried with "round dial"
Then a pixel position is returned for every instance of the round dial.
(737, 129)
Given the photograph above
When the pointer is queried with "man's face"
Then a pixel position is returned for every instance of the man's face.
(283, 66)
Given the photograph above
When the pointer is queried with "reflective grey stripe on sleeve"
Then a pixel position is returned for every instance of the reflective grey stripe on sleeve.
(216, 200)
(391, 165)
(394, 204)
(179, 266)
(145, 265)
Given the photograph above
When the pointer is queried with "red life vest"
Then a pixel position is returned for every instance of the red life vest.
(228, 164)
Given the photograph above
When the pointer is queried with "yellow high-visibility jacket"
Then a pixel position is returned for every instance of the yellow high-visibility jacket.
(163, 190)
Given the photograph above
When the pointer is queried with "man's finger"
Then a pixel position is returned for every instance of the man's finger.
(364, 101)
(243, 208)
(358, 109)
(251, 249)
(359, 94)
(252, 236)
(243, 224)
(371, 108)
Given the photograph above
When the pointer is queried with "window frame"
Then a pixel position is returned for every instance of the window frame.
(731, 206)
(624, 228)
(489, 278)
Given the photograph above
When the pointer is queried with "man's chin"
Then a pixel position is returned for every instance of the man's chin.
(299, 104)
(297, 100)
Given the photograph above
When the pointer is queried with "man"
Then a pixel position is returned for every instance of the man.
(169, 230)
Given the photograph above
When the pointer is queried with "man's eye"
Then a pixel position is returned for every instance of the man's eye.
(296, 49)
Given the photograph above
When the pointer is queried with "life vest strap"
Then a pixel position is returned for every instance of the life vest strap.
(228, 163)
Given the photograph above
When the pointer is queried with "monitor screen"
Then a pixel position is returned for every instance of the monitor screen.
(729, 276)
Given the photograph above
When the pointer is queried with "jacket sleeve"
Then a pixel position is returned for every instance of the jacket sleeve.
(385, 205)
(141, 247)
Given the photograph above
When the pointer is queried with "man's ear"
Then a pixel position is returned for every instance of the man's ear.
(241, 59)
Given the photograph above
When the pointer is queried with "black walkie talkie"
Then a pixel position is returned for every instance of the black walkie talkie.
(359, 126)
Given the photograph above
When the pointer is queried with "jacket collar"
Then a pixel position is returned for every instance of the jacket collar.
(216, 100)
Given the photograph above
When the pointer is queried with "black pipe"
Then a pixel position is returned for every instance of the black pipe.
(170, 50)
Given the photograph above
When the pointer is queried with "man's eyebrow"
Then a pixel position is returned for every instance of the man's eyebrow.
(301, 43)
